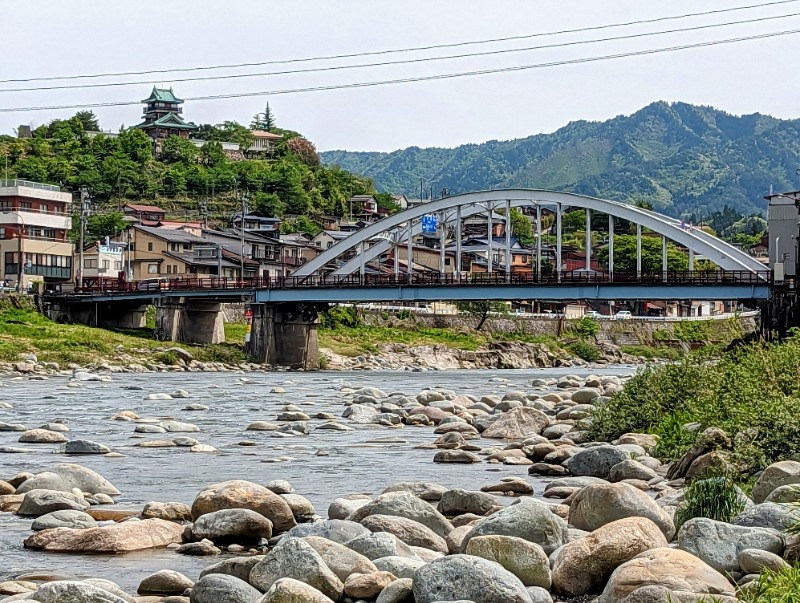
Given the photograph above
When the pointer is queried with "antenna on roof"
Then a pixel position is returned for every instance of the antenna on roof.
(770, 190)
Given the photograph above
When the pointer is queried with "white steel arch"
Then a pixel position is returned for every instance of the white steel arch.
(699, 242)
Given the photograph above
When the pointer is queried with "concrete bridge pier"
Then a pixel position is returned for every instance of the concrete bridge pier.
(284, 335)
(189, 321)
(106, 315)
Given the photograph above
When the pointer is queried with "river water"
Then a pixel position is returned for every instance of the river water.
(353, 463)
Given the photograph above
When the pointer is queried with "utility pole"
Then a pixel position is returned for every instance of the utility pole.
(85, 200)
(241, 234)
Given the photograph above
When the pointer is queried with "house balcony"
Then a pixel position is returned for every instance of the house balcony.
(26, 218)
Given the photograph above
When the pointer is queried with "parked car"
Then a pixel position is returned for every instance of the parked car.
(153, 284)
(593, 314)
(623, 315)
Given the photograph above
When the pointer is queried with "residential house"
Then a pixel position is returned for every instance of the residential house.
(146, 215)
(253, 221)
(325, 239)
(401, 200)
(263, 142)
(475, 225)
(150, 246)
(365, 207)
(34, 228)
(296, 250)
(104, 260)
(423, 257)
(262, 251)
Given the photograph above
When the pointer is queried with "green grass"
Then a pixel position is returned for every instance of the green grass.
(651, 352)
(26, 331)
(714, 498)
(774, 587)
(358, 340)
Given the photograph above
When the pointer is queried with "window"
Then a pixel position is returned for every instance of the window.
(106, 265)
(150, 247)
(152, 268)
(187, 246)
(24, 205)
(43, 208)
(2, 233)
(446, 261)
(117, 265)
(328, 246)
(89, 263)
(132, 247)
(5, 205)
(174, 247)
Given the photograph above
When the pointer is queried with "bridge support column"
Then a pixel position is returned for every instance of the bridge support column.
(190, 321)
(284, 335)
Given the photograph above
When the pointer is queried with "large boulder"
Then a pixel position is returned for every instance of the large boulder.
(526, 560)
(409, 531)
(767, 515)
(630, 470)
(238, 494)
(718, 543)
(41, 502)
(599, 504)
(232, 526)
(458, 502)
(778, 474)
(63, 519)
(122, 537)
(399, 591)
(165, 582)
(338, 530)
(64, 591)
(289, 590)
(171, 511)
(467, 578)
(425, 490)
(367, 586)
(529, 519)
(584, 565)
(517, 424)
(596, 461)
(402, 567)
(67, 476)
(380, 544)
(672, 569)
(342, 560)
(405, 504)
(239, 567)
(295, 558)
(219, 588)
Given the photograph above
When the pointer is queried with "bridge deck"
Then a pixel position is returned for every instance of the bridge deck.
(566, 286)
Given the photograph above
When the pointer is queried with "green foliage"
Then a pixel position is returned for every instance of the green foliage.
(404, 314)
(353, 341)
(691, 330)
(88, 120)
(339, 316)
(482, 309)
(650, 352)
(625, 255)
(584, 327)
(715, 498)
(585, 350)
(302, 224)
(521, 227)
(169, 358)
(387, 203)
(99, 226)
(782, 586)
(264, 121)
(753, 391)
(682, 159)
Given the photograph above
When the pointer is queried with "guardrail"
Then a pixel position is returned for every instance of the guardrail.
(193, 282)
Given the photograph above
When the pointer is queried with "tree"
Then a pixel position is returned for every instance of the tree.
(179, 150)
(99, 226)
(302, 224)
(625, 255)
(264, 121)
(89, 121)
(231, 131)
(482, 309)
(521, 227)
(387, 203)
(304, 150)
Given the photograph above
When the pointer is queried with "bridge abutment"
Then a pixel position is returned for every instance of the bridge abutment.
(106, 315)
(189, 321)
(284, 335)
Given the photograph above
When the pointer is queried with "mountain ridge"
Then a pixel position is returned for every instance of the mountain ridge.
(686, 159)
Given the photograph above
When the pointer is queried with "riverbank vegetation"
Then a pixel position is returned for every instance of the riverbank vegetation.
(752, 393)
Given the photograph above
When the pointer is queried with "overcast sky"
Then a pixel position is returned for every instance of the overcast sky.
(44, 38)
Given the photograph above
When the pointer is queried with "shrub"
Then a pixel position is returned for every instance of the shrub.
(691, 330)
(584, 327)
(774, 587)
(716, 498)
(168, 358)
(584, 350)
(404, 314)
(339, 316)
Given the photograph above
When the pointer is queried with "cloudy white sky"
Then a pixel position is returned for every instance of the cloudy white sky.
(44, 38)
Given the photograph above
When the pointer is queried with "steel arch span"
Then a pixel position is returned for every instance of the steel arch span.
(394, 230)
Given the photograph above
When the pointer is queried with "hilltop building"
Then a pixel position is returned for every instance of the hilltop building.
(162, 116)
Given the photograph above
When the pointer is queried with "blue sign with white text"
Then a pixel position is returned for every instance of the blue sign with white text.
(429, 223)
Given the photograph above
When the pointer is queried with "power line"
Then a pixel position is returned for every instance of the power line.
(402, 50)
(442, 76)
(412, 61)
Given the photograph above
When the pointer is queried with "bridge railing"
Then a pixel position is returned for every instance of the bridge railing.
(577, 277)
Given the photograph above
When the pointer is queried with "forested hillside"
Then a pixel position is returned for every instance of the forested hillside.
(684, 159)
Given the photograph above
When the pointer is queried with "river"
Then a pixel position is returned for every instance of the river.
(352, 465)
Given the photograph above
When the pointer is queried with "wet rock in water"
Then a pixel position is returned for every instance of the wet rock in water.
(239, 494)
(380, 544)
(67, 476)
(405, 504)
(517, 424)
(528, 518)
(148, 428)
(42, 436)
(456, 456)
(228, 526)
(262, 426)
(55, 427)
(337, 530)
(402, 567)
(12, 427)
(118, 538)
(293, 416)
(409, 531)
(526, 560)
(203, 448)
(85, 447)
(185, 442)
(279, 486)
(64, 519)
(157, 444)
(367, 586)
(425, 490)
(399, 591)
(463, 577)
(289, 590)
(219, 588)
(75, 592)
(180, 393)
(301, 507)
(159, 396)
(342, 560)
(6, 488)
(342, 508)
(41, 502)
(203, 548)
(510, 485)
(661, 574)
(596, 461)
(458, 502)
(15, 450)
(599, 504)
(584, 565)
(547, 469)
(295, 558)
(778, 474)
(165, 582)
(718, 543)
(179, 427)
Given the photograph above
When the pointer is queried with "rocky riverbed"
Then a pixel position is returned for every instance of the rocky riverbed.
(390, 487)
